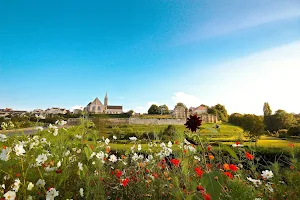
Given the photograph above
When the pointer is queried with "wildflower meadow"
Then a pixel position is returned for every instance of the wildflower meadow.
(79, 163)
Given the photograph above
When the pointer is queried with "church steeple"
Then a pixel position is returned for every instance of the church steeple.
(105, 100)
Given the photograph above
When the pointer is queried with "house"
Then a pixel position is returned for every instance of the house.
(198, 110)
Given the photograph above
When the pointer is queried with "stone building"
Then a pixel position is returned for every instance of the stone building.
(97, 107)
(198, 110)
(180, 112)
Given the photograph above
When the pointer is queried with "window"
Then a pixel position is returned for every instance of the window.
(93, 108)
(99, 107)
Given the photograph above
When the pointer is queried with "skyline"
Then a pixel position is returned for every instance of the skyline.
(239, 54)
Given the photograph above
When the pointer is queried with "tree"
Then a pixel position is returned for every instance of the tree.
(220, 111)
(254, 124)
(153, 110)
(282, 120)
(130, 112)
(164, 110)
(267, 116)
(180, 104)
(236, 119)
(267, 109)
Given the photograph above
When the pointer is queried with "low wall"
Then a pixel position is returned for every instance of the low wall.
(205, 118)
(157, 121)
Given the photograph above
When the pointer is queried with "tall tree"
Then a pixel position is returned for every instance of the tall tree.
(267, 116)
(153, 110)
(282, 120)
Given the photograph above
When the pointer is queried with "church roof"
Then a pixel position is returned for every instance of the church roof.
(114, 107)
(97, 102)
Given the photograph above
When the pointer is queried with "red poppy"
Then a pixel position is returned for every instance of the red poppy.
(291, 145)
(209, 166)
(118, 173)
(155, 175)
(200, 188)
(233, 167)
(209, 148)
(206, 196)
(175, 162)
(125, 182)
(229, 175)
(249, 156)
(176, 142)
(18, 174)
(199, 172)
(237, 143)
(193, 123)
(4, 147)
(91, 146)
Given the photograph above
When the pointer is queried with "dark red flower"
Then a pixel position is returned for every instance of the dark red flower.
(175, 162)
(200, 188)
(233, 167)
(229, 175)
(209, 148)
(193, 123)
(206, 196)
(199, 172)
(125, 182)
(118, 173)
(58, 171)
(249, 156)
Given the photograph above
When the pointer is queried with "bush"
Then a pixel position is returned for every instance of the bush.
(294, 131)
(282, 133)
(170, 131)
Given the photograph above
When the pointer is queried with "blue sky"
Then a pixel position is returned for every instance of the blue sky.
(234, 52)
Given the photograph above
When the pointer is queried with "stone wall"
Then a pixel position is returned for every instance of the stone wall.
(206, 118)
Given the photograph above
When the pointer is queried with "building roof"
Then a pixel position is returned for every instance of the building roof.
(97, 101)
(114, 107)
(201, 108)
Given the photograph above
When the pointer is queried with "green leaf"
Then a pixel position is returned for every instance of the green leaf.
(212, 186)
(229, 150)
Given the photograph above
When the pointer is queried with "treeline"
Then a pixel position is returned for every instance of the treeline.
(283, 123)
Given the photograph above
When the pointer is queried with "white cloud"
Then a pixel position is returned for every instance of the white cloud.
(187, 99)
(269, 76)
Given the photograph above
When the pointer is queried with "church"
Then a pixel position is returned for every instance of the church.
(97, 107)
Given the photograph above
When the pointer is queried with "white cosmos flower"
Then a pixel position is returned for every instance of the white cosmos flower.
(40, 183)
(269, 187)
(3, 186)
(41, 159)
(237, 145)
(139, 147)
(51, 194)
(113, 158)
(55, 132)
(267, 174)
(107, 141)
(5, 154)
(78, 151)
(58, 164)
(81, 192)
(10, 195)
(100, 155)
(254, 181)
(92, 155)
(39, 128)
(170, 144)
(19, 149)
(61, 122)
(114, 137)
(162, 145)
(30, 186)
(135, 157)
(3, 138)
(132, 138)
(196, 158)
(16, 185)
(67, 153)
(29, 197)
(78, 136)
(80, 166)
(52, 127)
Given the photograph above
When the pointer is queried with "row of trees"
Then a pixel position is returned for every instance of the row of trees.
(218, 110)
(158, 110)
(280, 121)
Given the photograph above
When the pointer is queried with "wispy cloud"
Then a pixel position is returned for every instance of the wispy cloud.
(188, 99)
(77, 107)
(238, 15)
